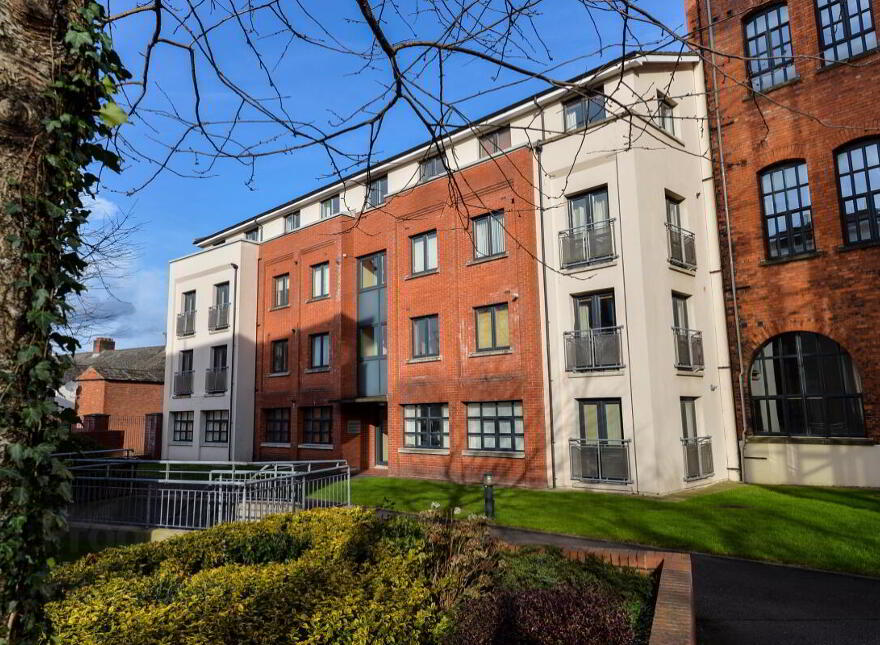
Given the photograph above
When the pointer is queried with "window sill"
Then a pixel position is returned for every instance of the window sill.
(277, 374)
(856, 246)
(215, 444)
(845, 63)
(423, 451)
(589, 266)
(269, 444)
(316, 446)
(683, 371)
(691, 271)
(277, 307)
(218, 330)
(502, 454)
(490, 352)
(500, 256)
(181, 396)
(413, 276)
(424, 359)
(834, 441)
(791, 258)
(215, 394)
(317, 370)
(752, 94)
(318, 298)
(500, 153)
(181, 444)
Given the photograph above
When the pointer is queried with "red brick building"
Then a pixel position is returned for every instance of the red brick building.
(796, 162)
(314, 281)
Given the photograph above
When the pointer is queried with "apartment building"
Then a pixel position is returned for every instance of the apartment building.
(559, 323)
(796, 138)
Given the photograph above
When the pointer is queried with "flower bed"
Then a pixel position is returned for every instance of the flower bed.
(347, 576)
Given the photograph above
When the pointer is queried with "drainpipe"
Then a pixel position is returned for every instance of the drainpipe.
(538, 150)
(739, 352)
(232, 365)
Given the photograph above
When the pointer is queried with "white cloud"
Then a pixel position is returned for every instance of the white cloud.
(100, 207)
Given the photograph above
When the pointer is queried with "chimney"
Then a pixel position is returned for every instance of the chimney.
(103, 345)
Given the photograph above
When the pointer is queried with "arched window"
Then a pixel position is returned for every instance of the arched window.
(806, 384)
(858, 176)
(788, 213)
(768, 48)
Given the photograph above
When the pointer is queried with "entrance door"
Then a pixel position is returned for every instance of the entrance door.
(372, 321)
(381, 445)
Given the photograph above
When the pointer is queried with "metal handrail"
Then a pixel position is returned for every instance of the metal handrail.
(681, 247)
(591, 243)
(593, 349)
(218, 316)
(698, 460)
(600, 460)
(183, 382)
(215, 380)
(186, 323)
(688, 349)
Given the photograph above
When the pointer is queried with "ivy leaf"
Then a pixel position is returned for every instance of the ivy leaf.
(77, 39)
(112, 114)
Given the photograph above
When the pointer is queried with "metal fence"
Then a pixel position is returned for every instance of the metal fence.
(600, 460)
(218, 316)
(198, 495)
(681, 247)
(593, 349)
(688, 349)
(186, 323)
(183, 382)
(698, 462)
(215, 380)
(585, 244)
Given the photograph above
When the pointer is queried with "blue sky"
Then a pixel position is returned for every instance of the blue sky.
(317, 85)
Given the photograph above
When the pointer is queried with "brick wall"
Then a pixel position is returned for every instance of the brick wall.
(123, 398)
(452, 292)
(833, 292)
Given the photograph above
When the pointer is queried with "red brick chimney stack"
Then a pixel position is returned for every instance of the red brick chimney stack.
(103, 345)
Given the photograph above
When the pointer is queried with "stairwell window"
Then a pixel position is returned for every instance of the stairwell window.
(321, 280)
(279, 356)
(330, 207)
(281, 290)
(317, 424)
(278, 425)
(846, 29)
(182, 426)
(489, 235)
(858, 176)
(768, 48)
(496, 425)
(788, 214)
(495, 142)
(584, 111)
(216, 426)
(492, 328)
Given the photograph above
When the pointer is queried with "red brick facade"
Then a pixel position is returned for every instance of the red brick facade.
(833, 291)
(452, 292)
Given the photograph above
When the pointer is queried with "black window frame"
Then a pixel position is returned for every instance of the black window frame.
(426, 328)
(318, 425)
(754, 59)
(864, 36)
(870, 214)
(335, 206)
(495, 420)
(586, 101)
(277, 425)
(492, 309)
(277, 299)
(324, 267)
(432, 163)
(426, 426)
(185, 359)
(324, 338)
(602, 411)
(279, 357)
(496, 248)
(496, 138)
(377, 187)
(182, 426)
(805, 231)
(216, 426)
(427, 236)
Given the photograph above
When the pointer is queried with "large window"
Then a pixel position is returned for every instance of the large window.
(279, 356)
(317, 424)
(601, 419)
(320, 350)
(489, 235)
(805, 384)
(496, 425)
(321, 280)
(424, 252)
(492, 328)
(858, 173)
(788, 214)
(182, 426)
(846, 28)
(330, 207)
(768, 48)
(431, 167)
(425, 337)
(426, 425)
(282, 290)
(216, 426)
(584, 111)
(278, 425)
(377, 191)
(495, 141)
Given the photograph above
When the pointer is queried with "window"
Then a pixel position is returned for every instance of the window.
(378, 191)
(424, 252)
(221, 294)
(495, 425)
(588, 208)
(426, 425)
(846, 28)
(253, 234)
(665, 109)
(489, 235)
(679, 311)
(495, 142)
(291, 222)
(788, 220)
(858, 174)
(282, 290)
(425, 337)
(186, 360)
(182, 426)
(601, 419)
(330, 206)
(189, 301)
(320, 350)
(768, 48)
(584, 111)
(278, 425)
(492, 330)
(279, 356)
(371, 271)
(321, 280)
(317, 424)
(431, 167)
(216, 426)
(594, 311)
(806, 384)
(218, 357)
(688, 417)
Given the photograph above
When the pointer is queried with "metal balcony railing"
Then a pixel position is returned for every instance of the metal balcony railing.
(698, 462)
(215, 380)
(688, 349)
(186, 323)
(218, 317)
(593, 349)
(183, 383)
(600, 460)
(587, 244)
(680, 246)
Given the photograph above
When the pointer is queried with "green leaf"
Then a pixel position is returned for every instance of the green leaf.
(112, 114)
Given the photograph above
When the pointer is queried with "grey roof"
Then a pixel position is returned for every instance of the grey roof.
(138, 364)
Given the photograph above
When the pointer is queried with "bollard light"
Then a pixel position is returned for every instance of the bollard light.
(489, 495)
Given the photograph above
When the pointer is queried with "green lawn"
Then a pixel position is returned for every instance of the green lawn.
(836, 529)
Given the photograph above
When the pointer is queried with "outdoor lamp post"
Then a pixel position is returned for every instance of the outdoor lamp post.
(489, 495)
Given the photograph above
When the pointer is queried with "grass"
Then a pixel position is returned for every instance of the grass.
(825, 528)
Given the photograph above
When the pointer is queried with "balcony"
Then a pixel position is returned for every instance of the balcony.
(588, 244)
(218, 317)
(215, 380)
(698, 463)
(186, 323)
(688, 349)
(183, 383)
(680, 247)
(600, 460)
(593, 349)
